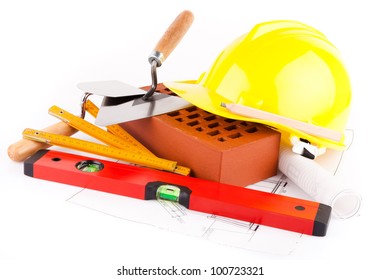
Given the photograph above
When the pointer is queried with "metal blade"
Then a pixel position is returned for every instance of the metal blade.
(111, 88)
(138, 108)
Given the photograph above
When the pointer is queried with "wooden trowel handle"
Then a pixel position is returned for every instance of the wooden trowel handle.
(172, 36)
(24, 148)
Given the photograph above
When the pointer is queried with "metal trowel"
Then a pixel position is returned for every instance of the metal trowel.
(123, 102)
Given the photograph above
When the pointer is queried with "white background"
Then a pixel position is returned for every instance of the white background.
(47, 47)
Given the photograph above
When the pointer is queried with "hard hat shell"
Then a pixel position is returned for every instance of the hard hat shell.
(282, 67)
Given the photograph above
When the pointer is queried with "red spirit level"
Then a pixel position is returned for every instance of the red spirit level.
(249, 205)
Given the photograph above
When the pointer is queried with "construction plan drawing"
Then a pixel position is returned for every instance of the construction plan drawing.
(174, 217)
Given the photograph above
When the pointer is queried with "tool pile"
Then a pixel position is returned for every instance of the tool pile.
(198, 143)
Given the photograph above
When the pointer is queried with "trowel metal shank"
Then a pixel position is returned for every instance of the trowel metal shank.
(122, 109)
(123, 102)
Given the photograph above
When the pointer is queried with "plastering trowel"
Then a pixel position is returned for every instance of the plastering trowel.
(123, 102)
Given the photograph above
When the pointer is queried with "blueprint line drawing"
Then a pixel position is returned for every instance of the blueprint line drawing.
(174, 217)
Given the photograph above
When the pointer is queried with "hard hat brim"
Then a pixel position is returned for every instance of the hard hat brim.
(210, 101)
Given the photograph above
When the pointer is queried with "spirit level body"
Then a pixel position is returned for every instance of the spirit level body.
(216, 198)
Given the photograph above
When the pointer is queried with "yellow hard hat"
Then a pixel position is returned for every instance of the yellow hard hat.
(284, 68)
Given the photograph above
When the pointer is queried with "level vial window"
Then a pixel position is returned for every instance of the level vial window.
(168, 192)
(89, 166)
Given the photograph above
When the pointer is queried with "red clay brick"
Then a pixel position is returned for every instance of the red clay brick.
(215, 148)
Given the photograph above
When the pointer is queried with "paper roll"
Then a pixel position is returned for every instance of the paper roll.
(320, 184)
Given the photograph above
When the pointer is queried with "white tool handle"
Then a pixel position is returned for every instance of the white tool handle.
(319, 183)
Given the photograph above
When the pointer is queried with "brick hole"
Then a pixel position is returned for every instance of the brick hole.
(214, 133)
(210, 118)
(191, 109)
(200, 129)
(179, 119)
(229, 120)
(173, 114)
(221, 139)
(244, 123)
(251, 129)
(193, 123)
(231, 127)
(213, 125)
(167, 89)
(193, 116)
(235, 135)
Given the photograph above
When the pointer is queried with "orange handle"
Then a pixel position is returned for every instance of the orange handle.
(174, 34)
(24, 148)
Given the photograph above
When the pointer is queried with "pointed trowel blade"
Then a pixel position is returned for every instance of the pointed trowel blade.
(113, 113)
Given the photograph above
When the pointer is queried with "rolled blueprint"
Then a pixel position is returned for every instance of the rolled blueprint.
(320, 184)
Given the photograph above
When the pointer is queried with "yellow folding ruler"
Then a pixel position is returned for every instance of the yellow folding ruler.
(120, 144)
(117, 129)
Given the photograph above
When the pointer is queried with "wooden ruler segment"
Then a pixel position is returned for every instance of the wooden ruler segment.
(117, 130)
(92, 130)
(103, 150)
(24, 148)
